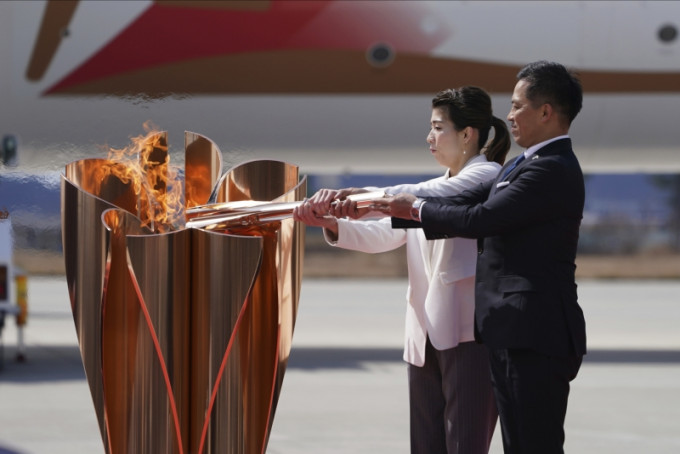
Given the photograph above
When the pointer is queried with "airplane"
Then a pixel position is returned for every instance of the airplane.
(334, 86)
(339, 88)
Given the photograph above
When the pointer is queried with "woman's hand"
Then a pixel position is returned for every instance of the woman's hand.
(348, 209)
(305, 213)
(322, 202)
(319, 210)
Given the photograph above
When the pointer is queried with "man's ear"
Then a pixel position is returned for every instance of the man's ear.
(547, 112)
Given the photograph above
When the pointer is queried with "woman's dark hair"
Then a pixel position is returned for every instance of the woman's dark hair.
(471, 106)
(551, 83)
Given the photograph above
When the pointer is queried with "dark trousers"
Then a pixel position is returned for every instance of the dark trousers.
(531, 394)
(452, 407)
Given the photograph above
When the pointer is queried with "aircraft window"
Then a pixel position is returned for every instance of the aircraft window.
(668, 33)
(380, 54)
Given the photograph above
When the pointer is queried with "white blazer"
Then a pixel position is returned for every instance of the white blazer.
(440, 295)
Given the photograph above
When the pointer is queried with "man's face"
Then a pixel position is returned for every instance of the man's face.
(525, 120)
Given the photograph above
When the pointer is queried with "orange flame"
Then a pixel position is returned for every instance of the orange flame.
(144, 165)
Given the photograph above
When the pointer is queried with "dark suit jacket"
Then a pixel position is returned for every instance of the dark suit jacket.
(527, 228)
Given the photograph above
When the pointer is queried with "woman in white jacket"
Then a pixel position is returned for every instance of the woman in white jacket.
(452, 408)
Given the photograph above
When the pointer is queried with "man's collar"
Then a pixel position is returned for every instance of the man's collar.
(534, 148)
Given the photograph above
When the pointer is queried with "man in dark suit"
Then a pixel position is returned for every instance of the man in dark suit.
(527, 224)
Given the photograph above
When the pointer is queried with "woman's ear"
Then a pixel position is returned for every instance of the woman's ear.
(469, 134)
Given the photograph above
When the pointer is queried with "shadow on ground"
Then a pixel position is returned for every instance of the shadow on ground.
(57, 363)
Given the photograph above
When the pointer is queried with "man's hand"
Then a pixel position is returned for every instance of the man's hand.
(398, 206)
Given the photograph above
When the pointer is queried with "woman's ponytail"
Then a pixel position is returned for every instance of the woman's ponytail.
(498, 149)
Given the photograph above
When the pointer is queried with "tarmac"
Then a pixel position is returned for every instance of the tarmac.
(345, 390)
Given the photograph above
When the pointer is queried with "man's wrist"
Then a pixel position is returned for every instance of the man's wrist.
(415, 209)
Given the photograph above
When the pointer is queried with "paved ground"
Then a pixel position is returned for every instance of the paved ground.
(345, 389)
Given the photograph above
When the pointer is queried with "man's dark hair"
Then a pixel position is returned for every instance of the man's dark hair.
(551, 83)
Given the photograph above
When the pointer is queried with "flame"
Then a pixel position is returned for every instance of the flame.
(145, 165)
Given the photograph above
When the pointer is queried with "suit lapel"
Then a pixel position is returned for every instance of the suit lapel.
(556, 147)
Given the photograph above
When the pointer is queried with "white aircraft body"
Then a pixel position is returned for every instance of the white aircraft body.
(335, 87)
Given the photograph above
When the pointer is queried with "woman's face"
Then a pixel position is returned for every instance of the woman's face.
(446, 144)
